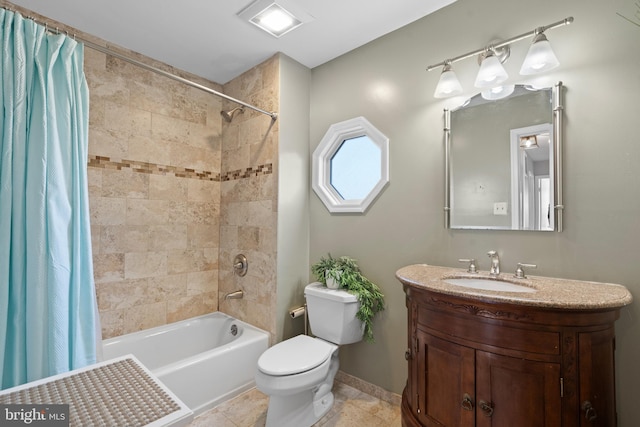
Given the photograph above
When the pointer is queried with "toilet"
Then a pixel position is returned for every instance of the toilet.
(297, 374)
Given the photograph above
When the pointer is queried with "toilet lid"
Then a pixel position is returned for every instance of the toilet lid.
(295, 355)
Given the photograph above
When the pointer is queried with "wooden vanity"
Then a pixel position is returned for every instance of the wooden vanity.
(509, 359)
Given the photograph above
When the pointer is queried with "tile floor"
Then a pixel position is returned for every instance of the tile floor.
(352, 408)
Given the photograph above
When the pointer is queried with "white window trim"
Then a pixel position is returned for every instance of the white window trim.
(321, 164)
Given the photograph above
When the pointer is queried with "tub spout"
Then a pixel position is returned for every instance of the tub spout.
(234, 295)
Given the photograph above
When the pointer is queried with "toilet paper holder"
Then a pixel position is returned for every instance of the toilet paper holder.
(299, 312)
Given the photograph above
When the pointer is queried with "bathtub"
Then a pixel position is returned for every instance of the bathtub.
(204, 360)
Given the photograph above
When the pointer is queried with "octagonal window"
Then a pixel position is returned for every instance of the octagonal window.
(350, 166)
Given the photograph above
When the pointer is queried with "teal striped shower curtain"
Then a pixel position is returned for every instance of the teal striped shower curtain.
(48, 317)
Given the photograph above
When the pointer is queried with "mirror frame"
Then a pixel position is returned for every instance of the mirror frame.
(558, 130)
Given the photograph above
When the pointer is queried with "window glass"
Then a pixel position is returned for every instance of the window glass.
(355, 167)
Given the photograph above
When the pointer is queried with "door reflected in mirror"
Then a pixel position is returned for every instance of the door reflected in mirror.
(531, 177)
(501, 162)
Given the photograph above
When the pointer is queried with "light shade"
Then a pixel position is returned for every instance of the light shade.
(540, 57)
(448, 85)
(491, 72)
(498, 92)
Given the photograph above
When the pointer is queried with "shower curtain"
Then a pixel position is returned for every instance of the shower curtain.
(48, 315)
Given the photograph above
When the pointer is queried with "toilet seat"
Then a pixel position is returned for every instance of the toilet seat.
(295, 355)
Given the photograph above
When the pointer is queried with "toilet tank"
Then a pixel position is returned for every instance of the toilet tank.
(332, 314)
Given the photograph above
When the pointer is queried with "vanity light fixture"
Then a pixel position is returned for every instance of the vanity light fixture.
(491, 73)
(275, 17)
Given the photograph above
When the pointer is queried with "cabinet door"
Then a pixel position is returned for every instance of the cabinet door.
(445, 383)
(597, 379)
(516, 392)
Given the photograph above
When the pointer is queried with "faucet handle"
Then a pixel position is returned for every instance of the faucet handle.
(520, 271)
(472, 265)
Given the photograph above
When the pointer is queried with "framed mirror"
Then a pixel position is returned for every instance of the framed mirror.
(503, 161)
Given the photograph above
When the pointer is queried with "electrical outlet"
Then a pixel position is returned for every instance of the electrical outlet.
(500, 208)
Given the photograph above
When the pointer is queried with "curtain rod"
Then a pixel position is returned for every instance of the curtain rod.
(273, 115)
(105, 50)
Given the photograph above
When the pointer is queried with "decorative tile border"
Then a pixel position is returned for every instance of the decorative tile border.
(155, 169)
(248, 172)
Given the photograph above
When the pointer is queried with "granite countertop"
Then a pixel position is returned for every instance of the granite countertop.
(550, 292)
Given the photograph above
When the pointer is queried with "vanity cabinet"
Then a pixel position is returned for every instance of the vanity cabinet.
(479, 362)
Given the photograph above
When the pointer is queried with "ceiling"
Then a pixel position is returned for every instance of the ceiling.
(208, 39)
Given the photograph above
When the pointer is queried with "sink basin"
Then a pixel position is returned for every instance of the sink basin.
(488, 285)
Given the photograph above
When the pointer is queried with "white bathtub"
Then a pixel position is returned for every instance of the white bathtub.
(199, 359)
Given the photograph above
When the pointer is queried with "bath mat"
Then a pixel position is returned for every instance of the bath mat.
(119, 392)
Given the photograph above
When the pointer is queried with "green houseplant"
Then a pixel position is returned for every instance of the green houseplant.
(346, 272)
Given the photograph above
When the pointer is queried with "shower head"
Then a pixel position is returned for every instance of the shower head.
(228, 115)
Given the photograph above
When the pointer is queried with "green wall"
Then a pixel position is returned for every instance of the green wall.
(386, 82)
(293, 195)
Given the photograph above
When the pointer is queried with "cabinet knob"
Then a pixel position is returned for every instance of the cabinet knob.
(407, 354)
(487, 408)
(467, 403)
(590, 413)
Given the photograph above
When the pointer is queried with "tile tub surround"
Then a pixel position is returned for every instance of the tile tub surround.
(550, 292)
(249, 198)
(154, 195)
(175, 193)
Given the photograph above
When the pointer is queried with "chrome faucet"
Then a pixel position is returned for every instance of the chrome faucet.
(495, 263)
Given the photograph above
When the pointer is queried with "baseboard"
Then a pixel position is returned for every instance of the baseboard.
(371, 389)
